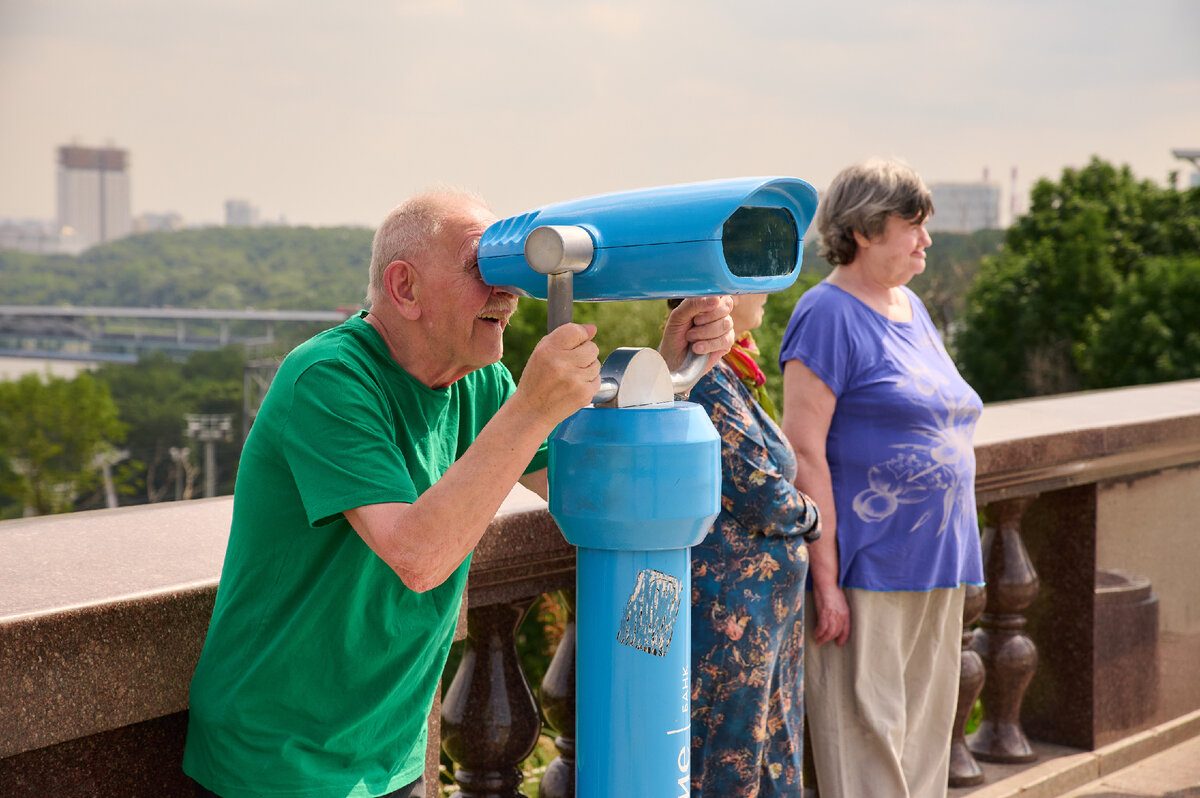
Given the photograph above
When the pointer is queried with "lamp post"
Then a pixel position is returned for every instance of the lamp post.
(209, 428)
(104, 460)
(1192, 156)
(179, 456)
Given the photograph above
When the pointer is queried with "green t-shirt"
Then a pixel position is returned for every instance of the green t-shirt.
(320, 666)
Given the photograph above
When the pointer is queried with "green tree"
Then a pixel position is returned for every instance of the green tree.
(50, 434)
(154, 395)
(278, 267)
(1029, 315)
(1152, 331)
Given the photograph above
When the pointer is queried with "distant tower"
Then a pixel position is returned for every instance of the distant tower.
(1192, 155)
(1012, 198)
(93, 193)
(240, 213)
(965, 207)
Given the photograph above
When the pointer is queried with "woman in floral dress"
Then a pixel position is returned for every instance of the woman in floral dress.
(748, 590)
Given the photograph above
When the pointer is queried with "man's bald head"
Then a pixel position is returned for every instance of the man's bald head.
(410, 228)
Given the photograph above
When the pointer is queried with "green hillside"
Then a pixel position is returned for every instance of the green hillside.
(295, 268)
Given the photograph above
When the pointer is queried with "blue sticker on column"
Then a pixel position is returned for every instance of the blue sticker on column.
(650, 614)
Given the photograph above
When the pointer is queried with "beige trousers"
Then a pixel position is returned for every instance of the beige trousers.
(880, 709)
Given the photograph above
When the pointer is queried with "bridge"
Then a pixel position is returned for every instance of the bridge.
(122, 334)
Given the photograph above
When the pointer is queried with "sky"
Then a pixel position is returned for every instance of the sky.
(331, 113)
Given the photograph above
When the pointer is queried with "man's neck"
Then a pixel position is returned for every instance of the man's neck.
(412, 355)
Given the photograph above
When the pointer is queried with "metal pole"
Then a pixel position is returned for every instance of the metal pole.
(210, 469)
(560, 292)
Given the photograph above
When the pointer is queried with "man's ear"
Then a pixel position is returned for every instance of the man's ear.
(399, 278)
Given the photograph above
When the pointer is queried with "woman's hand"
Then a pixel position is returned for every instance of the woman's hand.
(833, 616)
(700, 325)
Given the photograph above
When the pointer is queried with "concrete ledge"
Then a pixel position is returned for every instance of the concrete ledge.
(103, 613)
(93, 669)
(102, 616)
(1032, 446)
(1062, 774)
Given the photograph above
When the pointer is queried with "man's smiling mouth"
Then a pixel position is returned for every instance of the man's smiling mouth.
(498, 317)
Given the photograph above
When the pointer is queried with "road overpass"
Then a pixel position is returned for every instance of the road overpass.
(122, 334)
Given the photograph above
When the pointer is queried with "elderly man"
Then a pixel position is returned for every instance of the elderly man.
(381, 453)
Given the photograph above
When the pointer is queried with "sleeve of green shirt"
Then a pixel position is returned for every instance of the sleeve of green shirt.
(340, 444)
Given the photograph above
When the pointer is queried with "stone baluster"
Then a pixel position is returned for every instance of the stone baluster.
(1007, 652)
(558, 705)
(490, 721)
(964, 770)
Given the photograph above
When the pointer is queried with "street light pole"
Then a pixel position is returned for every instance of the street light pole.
(209, 428)
(1191, 155)
(179, 456)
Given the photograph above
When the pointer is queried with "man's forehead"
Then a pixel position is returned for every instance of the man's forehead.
(469, 221)
(462, 225)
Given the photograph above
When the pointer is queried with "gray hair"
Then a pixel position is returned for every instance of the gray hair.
(408, 229)
(860, 200)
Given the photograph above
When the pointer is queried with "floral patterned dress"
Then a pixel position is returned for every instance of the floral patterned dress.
(747, 607)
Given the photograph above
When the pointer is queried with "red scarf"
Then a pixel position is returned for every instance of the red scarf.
(741, 359)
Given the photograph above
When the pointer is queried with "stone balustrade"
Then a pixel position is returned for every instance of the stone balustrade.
(102, 614)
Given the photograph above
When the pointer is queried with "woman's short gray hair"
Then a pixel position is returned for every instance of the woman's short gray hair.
(860, 200)
(408, 229)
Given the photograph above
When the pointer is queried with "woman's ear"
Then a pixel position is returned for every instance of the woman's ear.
(862, 241)
(399, 278)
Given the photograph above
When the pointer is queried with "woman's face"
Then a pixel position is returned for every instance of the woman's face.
(898, 255)
(747, 312)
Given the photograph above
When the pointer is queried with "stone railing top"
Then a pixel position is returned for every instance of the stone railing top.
(102, 613)
(1031, 445)
(54, 563)
(58, 562)
(1077, 412)
(65, 562)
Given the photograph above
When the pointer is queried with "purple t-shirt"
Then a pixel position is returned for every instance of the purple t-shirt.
(900, 444)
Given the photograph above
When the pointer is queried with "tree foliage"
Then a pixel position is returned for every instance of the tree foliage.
(1152, 331)
(154, 396)
(1033, 313)
(297, 268)
(51, 431)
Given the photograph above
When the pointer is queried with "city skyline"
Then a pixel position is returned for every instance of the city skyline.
(331, 116)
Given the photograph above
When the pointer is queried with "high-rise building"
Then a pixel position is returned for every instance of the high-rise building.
(964, 207)
(93, 194)
(240, 213)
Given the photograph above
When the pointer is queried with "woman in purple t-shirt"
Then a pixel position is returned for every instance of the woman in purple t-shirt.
(882, 425)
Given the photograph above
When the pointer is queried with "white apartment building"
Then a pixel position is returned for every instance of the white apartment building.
(964, 207)
(93, 194)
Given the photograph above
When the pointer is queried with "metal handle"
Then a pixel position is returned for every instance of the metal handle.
(686, 376)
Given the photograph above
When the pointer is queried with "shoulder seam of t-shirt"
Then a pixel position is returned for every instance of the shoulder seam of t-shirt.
(320, 361)
(821, 372)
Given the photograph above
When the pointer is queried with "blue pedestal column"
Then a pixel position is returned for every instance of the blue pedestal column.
(634, 489)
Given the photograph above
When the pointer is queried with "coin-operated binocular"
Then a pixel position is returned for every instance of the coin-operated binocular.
(635, 479)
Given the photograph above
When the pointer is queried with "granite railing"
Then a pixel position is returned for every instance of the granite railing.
(1089, 628)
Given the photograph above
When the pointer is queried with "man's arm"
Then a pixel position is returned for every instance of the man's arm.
(425, 542)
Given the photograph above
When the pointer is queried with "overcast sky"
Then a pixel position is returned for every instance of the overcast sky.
(330, 113)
